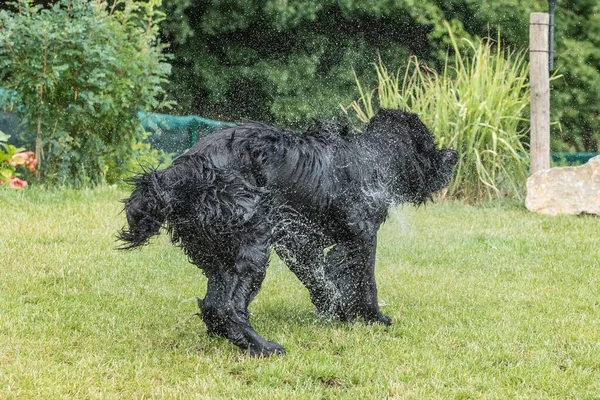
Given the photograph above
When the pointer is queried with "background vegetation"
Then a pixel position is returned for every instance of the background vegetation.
(271, 60)
(81, 71)
(487, 302)
(287, 62)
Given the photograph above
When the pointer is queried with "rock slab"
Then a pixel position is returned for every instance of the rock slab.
(565, 190)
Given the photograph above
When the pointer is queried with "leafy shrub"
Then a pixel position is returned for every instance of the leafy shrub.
(476, 106)
(82, 70)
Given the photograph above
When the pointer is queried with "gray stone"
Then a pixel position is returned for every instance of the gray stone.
(565, 190)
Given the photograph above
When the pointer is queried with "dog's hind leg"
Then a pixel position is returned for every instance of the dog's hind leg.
(212, 307)
(225, 307)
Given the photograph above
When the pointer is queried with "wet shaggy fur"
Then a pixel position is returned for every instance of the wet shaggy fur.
(245, 190)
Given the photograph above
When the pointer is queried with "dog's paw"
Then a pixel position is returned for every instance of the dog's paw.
(384, 319)
(379, 318)
(268, 349)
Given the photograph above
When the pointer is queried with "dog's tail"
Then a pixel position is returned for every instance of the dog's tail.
(146, 209)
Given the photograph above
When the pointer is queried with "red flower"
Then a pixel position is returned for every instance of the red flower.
(25, 158)
(17, 183)
(31, 161)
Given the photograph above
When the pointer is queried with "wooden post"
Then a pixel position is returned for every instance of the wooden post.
(539, 78)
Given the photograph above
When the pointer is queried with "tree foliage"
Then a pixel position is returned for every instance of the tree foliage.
(290, 61)
(81, 71)
(576, 97)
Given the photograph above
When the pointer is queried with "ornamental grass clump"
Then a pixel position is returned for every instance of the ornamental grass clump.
(477, 105)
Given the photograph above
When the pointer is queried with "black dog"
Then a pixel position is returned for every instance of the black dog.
(244, 190)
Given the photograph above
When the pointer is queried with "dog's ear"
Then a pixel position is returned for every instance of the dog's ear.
(420, 134)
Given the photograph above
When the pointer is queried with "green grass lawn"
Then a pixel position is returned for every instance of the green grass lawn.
(487, 302)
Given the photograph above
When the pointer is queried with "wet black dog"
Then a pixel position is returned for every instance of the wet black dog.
(244, 190)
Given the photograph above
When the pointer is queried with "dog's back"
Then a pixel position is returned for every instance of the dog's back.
(285, 163)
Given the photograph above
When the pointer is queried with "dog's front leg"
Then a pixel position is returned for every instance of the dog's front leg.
(351, 265)
(305, 260)
(371, 311)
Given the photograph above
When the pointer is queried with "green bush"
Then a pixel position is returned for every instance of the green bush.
(476, 106)
(145, 157)
(82, 70)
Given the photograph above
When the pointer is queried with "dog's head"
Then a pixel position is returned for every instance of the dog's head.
(145, 210)
(420, 168)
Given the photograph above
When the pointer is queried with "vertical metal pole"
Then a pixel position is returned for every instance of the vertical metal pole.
(540, 91)
(551, 8)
